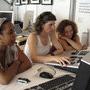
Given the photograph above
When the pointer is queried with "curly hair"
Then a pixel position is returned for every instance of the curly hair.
(42, 19)
(63, 24)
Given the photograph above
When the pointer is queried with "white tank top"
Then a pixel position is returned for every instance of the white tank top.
(41, 49)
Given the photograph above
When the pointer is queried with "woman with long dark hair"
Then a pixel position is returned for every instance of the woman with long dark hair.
(39, 42)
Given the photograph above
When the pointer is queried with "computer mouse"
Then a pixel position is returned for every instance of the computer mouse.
(46, 72)
(46, 75)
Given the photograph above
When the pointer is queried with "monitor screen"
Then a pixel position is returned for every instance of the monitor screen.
(7, 14)
(82, 81)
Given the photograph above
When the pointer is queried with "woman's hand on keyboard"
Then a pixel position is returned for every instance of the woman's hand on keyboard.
(62, 60)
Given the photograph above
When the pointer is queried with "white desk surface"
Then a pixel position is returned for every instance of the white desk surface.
(32, 75)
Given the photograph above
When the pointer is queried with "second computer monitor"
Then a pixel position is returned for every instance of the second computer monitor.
(8, 15)
(82, 81)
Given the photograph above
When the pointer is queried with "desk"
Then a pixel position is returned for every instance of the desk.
(21, 39)
(31, 74)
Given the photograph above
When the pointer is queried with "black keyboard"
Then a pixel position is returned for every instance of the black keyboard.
(83, 52)
(60, 83)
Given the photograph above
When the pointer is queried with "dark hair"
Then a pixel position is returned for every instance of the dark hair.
(2, 25)
(63, 24)
(42, 19)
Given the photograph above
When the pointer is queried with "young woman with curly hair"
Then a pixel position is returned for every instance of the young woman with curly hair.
(67, 35)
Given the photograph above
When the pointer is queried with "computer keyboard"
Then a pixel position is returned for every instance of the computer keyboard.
(72, 67)
(82, 52)
(60, 83)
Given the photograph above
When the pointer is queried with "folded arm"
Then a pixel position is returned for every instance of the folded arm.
(8, 74)
(24, 62)
(65, 45)
(74, 43)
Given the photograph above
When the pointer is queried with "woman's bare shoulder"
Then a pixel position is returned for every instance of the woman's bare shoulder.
(32, 37)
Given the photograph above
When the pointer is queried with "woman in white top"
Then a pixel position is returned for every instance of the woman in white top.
(39, 43)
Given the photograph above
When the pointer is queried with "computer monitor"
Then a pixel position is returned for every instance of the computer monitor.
(7, 14)
(82, 81)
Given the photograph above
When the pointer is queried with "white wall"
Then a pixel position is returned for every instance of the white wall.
(60, 8)
(4, 6)
(82, 16)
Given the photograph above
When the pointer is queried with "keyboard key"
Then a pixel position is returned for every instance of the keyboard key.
(83, 52)
(75, 52)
